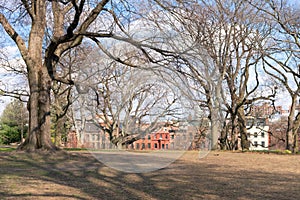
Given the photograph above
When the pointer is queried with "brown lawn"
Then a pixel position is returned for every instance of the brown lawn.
(220, 175)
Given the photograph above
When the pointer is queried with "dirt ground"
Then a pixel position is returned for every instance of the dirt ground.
(219, 175)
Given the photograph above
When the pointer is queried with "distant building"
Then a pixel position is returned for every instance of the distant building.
(258, 133)
(169, 135)
(266, 110)
(175, 136)
(92, 136)
(72, 140)
(154, 141)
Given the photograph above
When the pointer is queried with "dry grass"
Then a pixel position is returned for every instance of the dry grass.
(220, 175)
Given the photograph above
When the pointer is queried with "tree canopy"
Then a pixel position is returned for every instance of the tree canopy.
(214, 52)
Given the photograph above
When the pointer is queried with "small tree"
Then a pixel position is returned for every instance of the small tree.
(13, 122)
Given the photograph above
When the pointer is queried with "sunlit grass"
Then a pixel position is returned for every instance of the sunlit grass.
(7, 149)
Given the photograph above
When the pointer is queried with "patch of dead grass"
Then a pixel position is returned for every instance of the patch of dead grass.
(219, 175)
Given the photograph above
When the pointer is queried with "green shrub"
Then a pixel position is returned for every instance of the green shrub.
(9, 134)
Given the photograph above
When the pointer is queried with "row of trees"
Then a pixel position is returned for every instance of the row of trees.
(129, 62)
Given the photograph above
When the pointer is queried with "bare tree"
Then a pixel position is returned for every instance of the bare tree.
(125, 102)
(54, 27)
(281, 57)
(278, 133)
(216, 45)
(214, 48)
(13, 76)
(41, 65)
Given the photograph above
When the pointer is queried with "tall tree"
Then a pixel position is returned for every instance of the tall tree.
(217, 44)
(124, 102)
(281, 56)
(52, 27)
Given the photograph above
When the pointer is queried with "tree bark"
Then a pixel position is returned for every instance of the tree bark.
(39, 113)
(215, 128)
(296, 143)
(290, 127)
(245, 144)
(39, 85)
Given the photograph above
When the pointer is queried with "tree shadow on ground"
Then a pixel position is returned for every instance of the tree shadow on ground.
(81, 176)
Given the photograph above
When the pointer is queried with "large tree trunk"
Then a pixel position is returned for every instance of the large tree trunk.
(39, 113)
(245, 144)
(295, 134)
(296, 145)
(216, 117)
(290, 127)
(289, 138)
(39, 84)
(223, 138)
(215, 128)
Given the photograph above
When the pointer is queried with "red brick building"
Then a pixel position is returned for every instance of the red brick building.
(154, 141)
(174, 136)
(265, 110)
(72, 140)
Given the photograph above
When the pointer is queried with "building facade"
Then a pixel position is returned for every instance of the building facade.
(159, 140)
(173, 136)
(258, 134)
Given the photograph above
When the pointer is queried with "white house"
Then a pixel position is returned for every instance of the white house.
(258, 134)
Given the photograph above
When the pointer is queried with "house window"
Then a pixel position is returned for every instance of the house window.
(263, 143)
(149, 145)
(155, 145)
(172, 136)
(255, 134)
(262, 134)
(143, 146)
(167, 146)
(255, 143)
(149, 137)
(137, 146)
(163, 146)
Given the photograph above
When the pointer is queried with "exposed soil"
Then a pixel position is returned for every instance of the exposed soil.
(220, 175)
